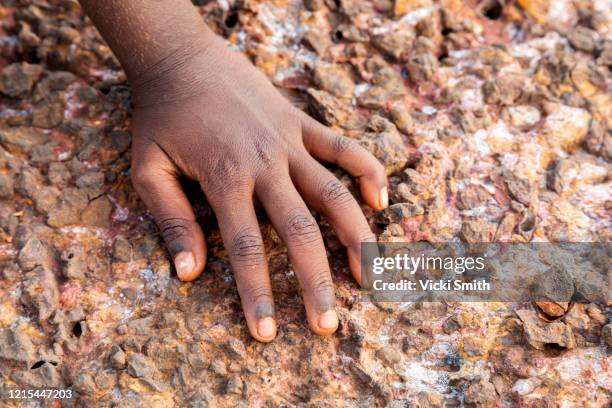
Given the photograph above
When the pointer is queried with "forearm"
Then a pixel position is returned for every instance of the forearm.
(150, 37)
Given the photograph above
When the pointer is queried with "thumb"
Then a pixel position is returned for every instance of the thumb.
(154, 177)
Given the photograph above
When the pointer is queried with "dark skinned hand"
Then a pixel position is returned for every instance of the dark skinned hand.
(210, 115)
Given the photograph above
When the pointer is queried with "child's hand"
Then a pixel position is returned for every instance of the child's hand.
(204, 111)
(232, 131)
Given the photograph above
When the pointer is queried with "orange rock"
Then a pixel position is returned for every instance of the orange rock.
(402, 7)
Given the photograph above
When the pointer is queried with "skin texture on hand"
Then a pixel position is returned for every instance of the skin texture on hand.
(205, 112)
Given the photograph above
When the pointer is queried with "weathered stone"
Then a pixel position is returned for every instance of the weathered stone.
(236, 348)
(122, 249)
(583, 39)
(386, 144)
(398, 212)
(7, 186)
(68, 209)
(45, 198)
(389, 356)
(400, 115)
(49, 113)
(334, 80)
(422, 67)
(317, 41)
(566, 127)
(525, 386)
(480, 394)
(539, 333)
(18, 79)
(524, 117)
(376, 97)
(21, 139)
(15, 345)
(36, 253)
(395, 43)
(472, 196)
(41, 291)
(326, 107)
(234, 385)
(140, 366)
(117, 358)
(475, 231)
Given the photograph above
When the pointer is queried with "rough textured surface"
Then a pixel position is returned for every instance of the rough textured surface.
(492, 119)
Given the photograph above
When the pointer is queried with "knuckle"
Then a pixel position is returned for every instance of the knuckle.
(342, 144)
(333, 192)
(366, 236)
(263, 150)
(248, 248)
(257, 293)
(173, 228)
(225, 173)
(321, 284)
(301, 227)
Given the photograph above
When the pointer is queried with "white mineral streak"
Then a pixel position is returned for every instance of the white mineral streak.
(417, 15)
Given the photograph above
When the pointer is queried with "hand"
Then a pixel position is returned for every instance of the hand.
(210, 115)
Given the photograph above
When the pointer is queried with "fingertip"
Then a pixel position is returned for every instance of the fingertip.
(263, 330)
(266, 329)
(187, 266)
(383, 198)
(327, 323)
(375, 196)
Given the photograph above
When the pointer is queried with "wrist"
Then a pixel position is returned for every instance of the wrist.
(186, 69)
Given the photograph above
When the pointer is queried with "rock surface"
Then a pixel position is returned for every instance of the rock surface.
(492, 120)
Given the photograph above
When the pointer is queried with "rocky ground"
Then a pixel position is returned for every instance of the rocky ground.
(492, 119)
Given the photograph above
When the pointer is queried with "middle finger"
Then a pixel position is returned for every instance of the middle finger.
(300, 232)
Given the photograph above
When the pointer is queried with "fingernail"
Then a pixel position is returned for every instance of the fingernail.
(383, 197)
(184, 263)
(328, 320)
(266, 327)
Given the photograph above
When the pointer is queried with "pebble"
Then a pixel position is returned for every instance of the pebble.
(539, 333)
(122, 249)
(525, 386)
(395, 43)
(35, 252)
(480, 394)
(18, 79)
(389, 356)
(15, 345)
(334, 80)
(524, 117)
(117, 358)
(7, 186)
(234, 385)
(97, 213)
(476, 231)
(41, 291)
(236, 348)
(140, 366)
(396, 213)
(422, 67)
